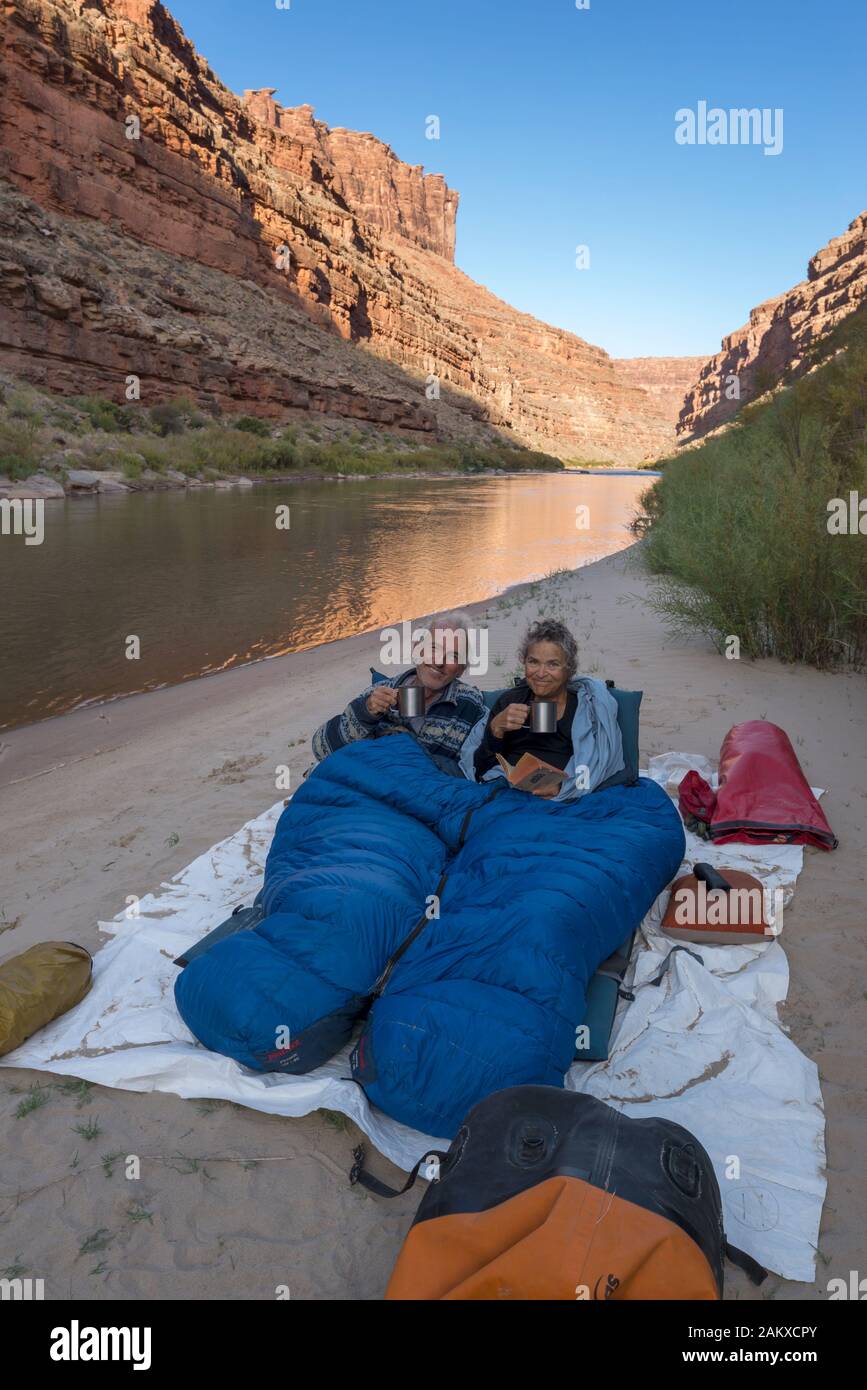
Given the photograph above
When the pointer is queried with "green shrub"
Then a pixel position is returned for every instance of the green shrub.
(737, 529)
(220, 450)
(103, 414)
(154, 453)
(21, 449)
(281, 454)
(173, 417)
(166, 418)
(252, 425)
(21, 406)
(188, 466)
(764, 379)
(132, 467)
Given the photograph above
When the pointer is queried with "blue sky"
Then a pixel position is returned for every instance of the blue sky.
(557, 128)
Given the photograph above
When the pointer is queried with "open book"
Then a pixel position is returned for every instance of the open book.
(530, 774)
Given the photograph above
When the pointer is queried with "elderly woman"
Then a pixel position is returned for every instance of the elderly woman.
(586, 742)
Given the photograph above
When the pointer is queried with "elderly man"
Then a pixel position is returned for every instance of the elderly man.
(451, 707)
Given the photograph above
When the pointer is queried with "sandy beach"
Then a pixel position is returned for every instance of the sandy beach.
(113, 800)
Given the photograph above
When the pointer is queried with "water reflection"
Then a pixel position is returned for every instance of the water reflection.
(206, 581)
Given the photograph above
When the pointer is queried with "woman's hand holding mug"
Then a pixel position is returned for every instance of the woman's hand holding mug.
(511, 718)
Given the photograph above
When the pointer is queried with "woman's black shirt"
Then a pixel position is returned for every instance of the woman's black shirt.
(554, 748)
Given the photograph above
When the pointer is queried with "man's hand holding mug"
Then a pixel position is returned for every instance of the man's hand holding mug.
(381, 699)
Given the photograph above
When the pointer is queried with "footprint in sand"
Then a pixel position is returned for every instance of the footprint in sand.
(125, 840)
(234, 770)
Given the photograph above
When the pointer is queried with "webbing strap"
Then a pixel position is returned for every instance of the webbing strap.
(381, 1189)
(658, 978)
(755, 1272)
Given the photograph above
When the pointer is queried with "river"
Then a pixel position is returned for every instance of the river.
(206, 579)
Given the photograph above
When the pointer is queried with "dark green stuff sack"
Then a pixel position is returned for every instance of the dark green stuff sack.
(38, 986)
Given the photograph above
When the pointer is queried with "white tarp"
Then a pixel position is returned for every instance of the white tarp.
(703, 1048)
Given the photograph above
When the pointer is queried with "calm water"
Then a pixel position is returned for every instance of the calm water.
(207, 581)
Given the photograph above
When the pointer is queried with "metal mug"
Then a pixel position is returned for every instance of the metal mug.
(410, 701)
(543, 714)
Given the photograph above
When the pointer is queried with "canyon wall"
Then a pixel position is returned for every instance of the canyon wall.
(154, 223)
(780, 335)
(665, 379)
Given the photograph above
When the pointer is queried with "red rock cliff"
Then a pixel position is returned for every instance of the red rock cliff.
(400, 198)
(166, 227)
(779, 335)
(665, 379)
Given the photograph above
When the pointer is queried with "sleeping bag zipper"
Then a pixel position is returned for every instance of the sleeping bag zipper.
(419, 927)
(405, 944)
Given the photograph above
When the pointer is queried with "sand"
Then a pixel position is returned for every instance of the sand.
(111, 801)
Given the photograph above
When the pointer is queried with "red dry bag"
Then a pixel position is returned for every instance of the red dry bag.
(763, 796)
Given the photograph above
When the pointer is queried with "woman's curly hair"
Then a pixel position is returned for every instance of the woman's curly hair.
(549, 630)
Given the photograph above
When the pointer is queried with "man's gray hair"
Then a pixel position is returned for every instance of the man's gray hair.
(450, 635)
(550, 630)
(457, 620)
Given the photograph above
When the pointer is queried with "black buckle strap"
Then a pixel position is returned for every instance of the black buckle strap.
(357, 1174)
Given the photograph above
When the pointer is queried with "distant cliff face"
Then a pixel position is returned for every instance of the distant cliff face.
(666, 380)
(162, 226)
(779, 335)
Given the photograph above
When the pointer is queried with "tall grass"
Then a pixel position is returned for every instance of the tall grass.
(737, 529)
(20, 454)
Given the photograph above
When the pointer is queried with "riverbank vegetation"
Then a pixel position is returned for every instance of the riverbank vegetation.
(175, 440)
(744, 532)
(579, 465)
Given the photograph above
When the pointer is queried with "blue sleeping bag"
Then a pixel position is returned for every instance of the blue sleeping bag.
(461, 922)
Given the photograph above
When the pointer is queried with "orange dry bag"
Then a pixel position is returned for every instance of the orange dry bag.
(547, 1194)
